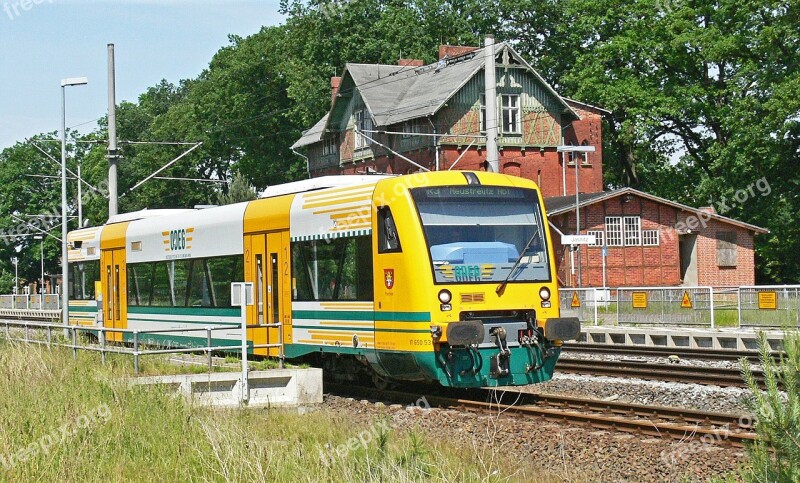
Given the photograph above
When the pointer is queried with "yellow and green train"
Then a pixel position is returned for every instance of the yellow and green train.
(443, 276)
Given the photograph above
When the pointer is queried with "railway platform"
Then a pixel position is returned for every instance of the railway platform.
(735, 339)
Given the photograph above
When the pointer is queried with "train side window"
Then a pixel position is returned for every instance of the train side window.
(329, 270)
(388, 239)
(162, 286)
(197, 293)
(82, 276)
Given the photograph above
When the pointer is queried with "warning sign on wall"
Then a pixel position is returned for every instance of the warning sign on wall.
(639, 300)
(576, 302)
(686, 303)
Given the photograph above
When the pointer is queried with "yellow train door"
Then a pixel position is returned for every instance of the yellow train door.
(266, 257)
(115, 282)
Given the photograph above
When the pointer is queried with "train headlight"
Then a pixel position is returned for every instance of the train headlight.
(544, 293)
(445, 296)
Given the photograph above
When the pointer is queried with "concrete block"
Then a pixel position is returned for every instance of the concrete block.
(275, 387)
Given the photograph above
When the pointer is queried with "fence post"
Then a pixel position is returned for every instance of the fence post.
(101, 334)
(136, 352)
(739, 305)
(711, 301)
(596, 303)
(208, 348)
(282, 354)
(74, 342)
(245, 388)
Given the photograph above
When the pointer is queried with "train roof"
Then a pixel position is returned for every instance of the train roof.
(145, 213)
(322, 183)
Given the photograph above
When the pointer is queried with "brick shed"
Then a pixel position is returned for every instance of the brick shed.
(650, 241)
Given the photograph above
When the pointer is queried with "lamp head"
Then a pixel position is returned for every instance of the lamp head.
(74, 81)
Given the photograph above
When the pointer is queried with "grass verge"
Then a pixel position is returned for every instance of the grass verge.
(67, 419)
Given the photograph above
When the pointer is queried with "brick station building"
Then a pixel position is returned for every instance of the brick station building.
(399, 118)
(651, 241)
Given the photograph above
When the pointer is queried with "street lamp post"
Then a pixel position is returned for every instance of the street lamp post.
(574, 149)
(16, 274)
(73, 81)
(39, 237)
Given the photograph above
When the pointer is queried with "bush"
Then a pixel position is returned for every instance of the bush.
(776, 457)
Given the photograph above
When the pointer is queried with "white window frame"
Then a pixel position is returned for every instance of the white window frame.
(651, 238)
(614, 235)
(599, 238)
(363, 122)
(632, 231)
(514, 110)
(330, 145)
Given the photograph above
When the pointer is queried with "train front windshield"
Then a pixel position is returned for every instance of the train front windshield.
(479, 233)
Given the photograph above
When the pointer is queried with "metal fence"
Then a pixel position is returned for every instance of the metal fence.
(681, 306)
(31, 302)
(138, 343)
(591, 305)
(769, 306)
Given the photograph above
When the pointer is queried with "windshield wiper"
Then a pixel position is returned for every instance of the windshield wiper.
(516, 264)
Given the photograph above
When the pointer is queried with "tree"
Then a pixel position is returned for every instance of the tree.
(704, 95)
(776, 455)
(238, 191)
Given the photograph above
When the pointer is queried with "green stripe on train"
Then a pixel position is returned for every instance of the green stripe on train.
(362, 315)
(82, 308)
(209, 311)
(183, 321)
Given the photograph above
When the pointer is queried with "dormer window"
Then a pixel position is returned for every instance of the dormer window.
(363, 124)
(512, 114)
(330, 145)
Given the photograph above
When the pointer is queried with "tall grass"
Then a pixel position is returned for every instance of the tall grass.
(65, 419)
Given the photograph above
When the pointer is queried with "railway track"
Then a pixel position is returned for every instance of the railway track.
(701, 354)
(712, 376)
(675, 423)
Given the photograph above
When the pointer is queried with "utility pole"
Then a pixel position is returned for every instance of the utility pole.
(113, 157)
(80, 199)
(492, 156)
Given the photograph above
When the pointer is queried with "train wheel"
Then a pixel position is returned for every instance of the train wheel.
(380, 382)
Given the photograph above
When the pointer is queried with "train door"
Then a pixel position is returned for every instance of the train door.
(115, 280)
(266, 256)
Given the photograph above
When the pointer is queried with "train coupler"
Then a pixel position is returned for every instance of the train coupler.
(500, 364)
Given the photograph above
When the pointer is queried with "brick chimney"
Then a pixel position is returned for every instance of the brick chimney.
(335, 81)
(454, 50)
(410, 63)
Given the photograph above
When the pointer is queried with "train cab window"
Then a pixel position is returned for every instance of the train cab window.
(339, 269)
(388, 239)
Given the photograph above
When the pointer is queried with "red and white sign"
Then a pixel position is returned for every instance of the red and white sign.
(388, 277)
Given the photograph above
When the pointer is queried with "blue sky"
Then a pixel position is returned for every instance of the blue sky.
(154, 40)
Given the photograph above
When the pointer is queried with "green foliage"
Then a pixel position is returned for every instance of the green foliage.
(776, 456)
(704, 100)
(239, 190)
